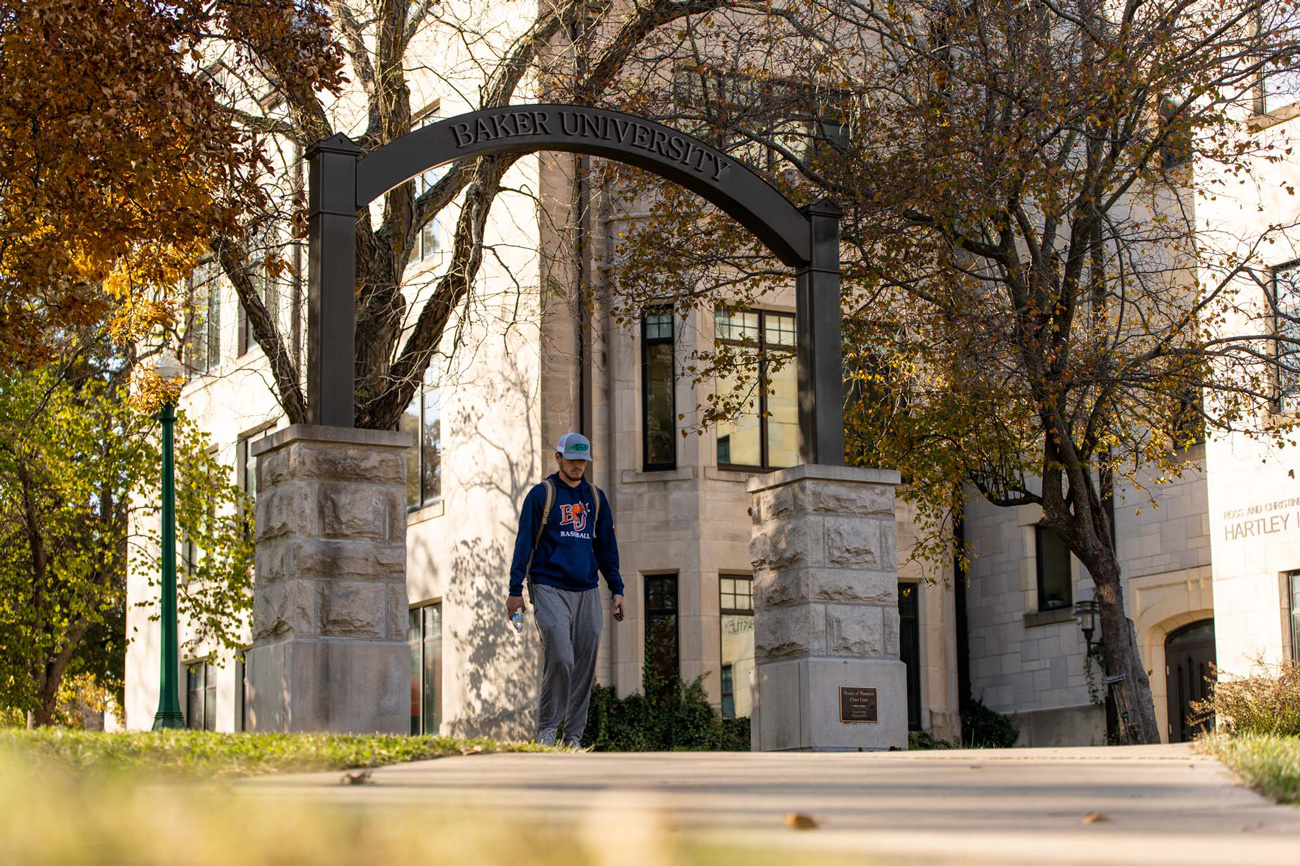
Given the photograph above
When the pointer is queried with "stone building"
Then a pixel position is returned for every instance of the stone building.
(1211, 560)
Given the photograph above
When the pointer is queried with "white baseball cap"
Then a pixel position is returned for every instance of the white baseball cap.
(574, 446)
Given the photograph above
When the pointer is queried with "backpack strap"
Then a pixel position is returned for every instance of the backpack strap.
(541, 525)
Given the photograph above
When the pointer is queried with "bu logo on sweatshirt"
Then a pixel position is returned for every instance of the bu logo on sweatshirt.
(573, 516)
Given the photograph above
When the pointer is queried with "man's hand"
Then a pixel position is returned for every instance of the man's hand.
(616, 608)
(514, 603)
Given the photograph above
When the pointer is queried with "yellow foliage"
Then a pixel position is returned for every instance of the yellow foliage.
(120, 163)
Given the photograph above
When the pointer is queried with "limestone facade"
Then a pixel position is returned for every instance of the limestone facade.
(329, 618)
(1254, 481)
(1028, 661)
(825, 558)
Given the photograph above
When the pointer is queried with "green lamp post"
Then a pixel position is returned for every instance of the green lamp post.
(169, 707)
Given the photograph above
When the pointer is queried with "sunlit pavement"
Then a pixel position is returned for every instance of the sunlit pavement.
(1114, 805)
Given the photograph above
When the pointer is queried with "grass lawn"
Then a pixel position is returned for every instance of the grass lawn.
(212, 755)
(1270, 763)
(81, 799)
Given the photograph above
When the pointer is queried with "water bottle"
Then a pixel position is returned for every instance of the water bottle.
(518, 620)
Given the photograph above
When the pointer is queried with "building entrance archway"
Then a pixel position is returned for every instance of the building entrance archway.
(1189, 671)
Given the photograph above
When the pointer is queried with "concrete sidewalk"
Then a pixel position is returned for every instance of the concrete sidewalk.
(1152, 804)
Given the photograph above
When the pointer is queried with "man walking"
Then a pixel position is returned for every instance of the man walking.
(566, 535)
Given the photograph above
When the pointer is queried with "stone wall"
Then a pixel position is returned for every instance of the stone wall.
(825, 559)
(329, 597)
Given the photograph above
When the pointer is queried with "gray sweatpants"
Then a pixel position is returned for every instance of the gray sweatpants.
(569, 623)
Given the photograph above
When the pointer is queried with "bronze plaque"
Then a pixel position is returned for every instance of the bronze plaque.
(857, 704)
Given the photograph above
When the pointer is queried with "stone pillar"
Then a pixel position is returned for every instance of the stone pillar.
(827, 674)
(329, 596)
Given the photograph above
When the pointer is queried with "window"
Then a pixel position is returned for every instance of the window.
(263, 250)
(246, 469)
(423, 420)
(1176, 149)
(200, 696)
(1293, 597)
(662, 658)
(190, 552)
(1286, 313)
(203, 323)
(909, 648)
(751, 118)
(246, 466)
(765, 434)
(1278, 90)
(424, 637)
(1187, 426)
(1054, 581)
(190, 549)
(736, 603)
(429, 241)
(1279, 83)
(243, 693)
(658, 407)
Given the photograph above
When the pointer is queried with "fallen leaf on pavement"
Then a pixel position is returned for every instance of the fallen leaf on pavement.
(1094, 818)
(800, 821)
(360, 777)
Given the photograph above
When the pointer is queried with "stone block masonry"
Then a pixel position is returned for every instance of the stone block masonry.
(826, 633)
(329, 594)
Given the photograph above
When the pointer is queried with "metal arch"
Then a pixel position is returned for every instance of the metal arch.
(341, 181)
(669, 153)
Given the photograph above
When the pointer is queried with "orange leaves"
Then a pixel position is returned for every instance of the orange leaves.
(119, 162)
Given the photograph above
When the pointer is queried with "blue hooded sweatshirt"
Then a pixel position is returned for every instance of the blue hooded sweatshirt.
(569, 554)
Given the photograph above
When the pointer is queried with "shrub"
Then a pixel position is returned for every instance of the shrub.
(1265, 702)
(982, 728)
(923, 741)
(670, 715)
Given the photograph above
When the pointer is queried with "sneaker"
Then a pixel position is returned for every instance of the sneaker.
(573, 742)
(546, 737)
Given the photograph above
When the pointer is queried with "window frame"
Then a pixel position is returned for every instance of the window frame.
(420, 254)
(713, 103)
(731, 611)
(736, 611)
(1039, 533)
(245, 465)
(207, 696)
(909, 603)
(267, 289)
(763, 412)
(1285, 402)
(1292, 587)
(416, 620)
(1261, 107)
(421, 397)
(243, 704)
(646, 343)
(674, 612)
(188, 551)
(202, 344)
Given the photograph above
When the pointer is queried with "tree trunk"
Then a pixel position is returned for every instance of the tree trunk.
(43, 715)
(1135, 707)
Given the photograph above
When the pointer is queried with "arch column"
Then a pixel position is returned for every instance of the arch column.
(331, 281)
(817, 323)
